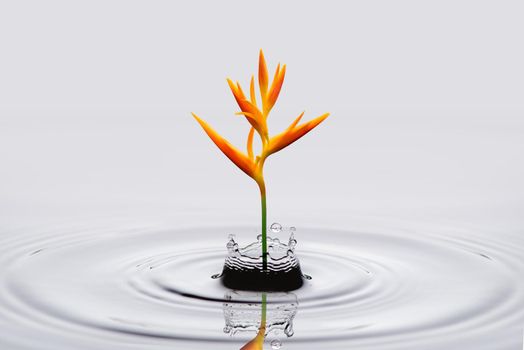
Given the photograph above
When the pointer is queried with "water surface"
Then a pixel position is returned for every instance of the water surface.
(375, 287)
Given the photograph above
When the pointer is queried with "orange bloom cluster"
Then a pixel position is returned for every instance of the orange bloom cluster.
(257, 114)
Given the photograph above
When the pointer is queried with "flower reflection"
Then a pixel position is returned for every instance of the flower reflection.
(269, 318)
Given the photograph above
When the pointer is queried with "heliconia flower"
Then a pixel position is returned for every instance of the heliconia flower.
(257, 114)
(257, 117)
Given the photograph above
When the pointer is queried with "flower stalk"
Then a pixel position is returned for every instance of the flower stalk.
(264, 225)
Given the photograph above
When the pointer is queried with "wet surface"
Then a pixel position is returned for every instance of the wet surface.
(374, 288)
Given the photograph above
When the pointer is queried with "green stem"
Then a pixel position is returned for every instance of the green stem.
(264, 311)
(264, 224)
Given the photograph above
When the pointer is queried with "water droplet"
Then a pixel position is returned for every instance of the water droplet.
(275, 227)
(308, 277)
(276, 344)
(216, 276)
(292, 241)
(289, 330)
(292, 228)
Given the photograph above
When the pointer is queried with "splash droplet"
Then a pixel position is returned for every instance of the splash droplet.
(292, 228)
(276, 344)
(275, 227)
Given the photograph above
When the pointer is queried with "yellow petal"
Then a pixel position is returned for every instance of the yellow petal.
(236, 156)
(293, 133)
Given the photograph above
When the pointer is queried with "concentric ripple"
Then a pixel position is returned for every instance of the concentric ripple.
(152, 289)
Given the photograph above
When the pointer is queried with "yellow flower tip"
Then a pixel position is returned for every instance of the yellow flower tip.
(197, 118)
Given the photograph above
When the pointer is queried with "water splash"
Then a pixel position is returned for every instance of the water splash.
(273, 315)
(275, 227)
(276, 344)
(244, 266)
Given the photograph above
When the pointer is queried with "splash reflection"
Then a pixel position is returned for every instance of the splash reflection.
(269, 318)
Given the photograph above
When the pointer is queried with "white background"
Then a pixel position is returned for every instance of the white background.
(426, 102)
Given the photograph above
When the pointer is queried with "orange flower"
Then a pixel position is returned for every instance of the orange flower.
(257, 117)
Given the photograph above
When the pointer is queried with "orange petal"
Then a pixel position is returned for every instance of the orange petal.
(240, 91)
(262, 75)
(250, 142)
(252, 91)
(295, 122)
(240, 159)
(249, 109)
(293, 133)
(236, 90)
(276, 86)
(254, 123)
(255, 117)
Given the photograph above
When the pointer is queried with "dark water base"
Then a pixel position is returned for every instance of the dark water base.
(262, 280)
